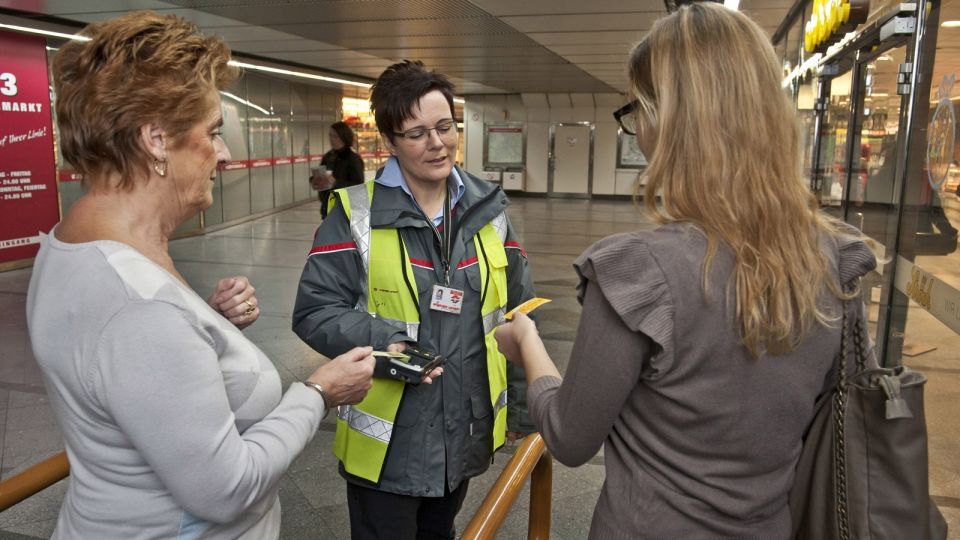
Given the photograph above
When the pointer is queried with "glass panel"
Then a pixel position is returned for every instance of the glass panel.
(932, 217)
(833, 144)
(928, 264)
(872, 206)
(261, 119)
(806, 117)
(317, 126)
(214, 214)
(299, 129)
(235, 183)
(280, 133)
(356, 112)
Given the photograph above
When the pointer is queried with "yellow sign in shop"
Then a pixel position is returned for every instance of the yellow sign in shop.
(831, 19)
(934, 295)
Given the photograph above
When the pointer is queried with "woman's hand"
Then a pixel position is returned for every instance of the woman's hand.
(234, 299)
(347, 378)
(521, 344)
(510, 336)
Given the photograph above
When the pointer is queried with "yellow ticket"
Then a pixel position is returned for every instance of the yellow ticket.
(391, 354)
(527, 306)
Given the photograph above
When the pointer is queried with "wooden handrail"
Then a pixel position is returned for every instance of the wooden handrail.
(33, 480)
(530, 459)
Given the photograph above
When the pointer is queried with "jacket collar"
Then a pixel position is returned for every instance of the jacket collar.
(480, 201)
(392, 176)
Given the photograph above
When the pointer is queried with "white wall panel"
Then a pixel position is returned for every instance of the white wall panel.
(583, 114)
(539, 114)
(473, 133)
(537, 148)
(533, 110)
(561, 115)
(604, 158)
(626, 180)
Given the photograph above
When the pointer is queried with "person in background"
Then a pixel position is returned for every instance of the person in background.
(423, 255)
(704, 343)
(345, 164)
(175, 423)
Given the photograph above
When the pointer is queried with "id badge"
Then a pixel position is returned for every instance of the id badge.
(446, 299)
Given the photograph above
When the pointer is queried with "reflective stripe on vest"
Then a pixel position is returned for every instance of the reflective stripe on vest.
(367, 424)
(357, 206)
(501, 402)
(364, 430)
(493, 320)
(411, 329)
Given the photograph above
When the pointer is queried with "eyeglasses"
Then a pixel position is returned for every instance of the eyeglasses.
(418, 134)
(627, 118)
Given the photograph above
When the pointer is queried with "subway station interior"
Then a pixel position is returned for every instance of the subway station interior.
(536, 83)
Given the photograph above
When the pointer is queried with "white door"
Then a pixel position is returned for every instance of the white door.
(571, 154)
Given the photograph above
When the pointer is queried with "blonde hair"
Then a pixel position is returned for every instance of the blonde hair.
(728, 160)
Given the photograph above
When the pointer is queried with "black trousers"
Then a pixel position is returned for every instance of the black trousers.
(377, 515)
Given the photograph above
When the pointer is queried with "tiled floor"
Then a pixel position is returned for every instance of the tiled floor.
(271, 252)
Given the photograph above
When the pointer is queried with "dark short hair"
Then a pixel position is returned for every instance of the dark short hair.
(399, 88)
(137, 69)
(344, 132)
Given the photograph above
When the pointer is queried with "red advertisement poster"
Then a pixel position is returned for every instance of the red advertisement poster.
(28, 186)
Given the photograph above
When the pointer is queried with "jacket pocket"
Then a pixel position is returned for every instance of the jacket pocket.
(479, 441)
(473, 278)
(480, 406)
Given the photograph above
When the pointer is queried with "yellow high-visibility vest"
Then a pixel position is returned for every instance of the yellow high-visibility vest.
(364, 430)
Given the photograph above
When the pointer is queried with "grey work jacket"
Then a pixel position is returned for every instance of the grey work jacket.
(445, 427)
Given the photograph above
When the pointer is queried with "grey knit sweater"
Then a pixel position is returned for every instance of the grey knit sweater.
(700, 439)
(173, 420)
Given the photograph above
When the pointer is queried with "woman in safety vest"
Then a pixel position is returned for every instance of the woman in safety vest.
(424, 254)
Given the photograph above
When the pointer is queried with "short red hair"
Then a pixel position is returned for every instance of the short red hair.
(137, 69)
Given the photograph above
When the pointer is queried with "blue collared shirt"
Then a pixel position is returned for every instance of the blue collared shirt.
(392, 176)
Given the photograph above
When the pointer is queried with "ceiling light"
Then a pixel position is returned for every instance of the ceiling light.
(459, 100)
(879, 94)
(44, 32)
(731, 4)
(885, 58)
(244, 102)
(951, 24)
(297, 74)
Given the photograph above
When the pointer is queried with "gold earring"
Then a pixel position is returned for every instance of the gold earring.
(160, 166)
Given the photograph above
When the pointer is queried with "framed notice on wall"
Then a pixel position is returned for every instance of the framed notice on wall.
(629, 155)
(503, 145)
(29, 204)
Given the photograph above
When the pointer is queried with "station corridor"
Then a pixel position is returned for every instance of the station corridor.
(271, 251)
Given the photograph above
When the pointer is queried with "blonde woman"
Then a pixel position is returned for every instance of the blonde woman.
(703, 344)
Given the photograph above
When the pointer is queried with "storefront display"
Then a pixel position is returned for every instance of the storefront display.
(29, 205)
(883, 122)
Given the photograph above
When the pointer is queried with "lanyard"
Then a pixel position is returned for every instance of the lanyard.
(447, 237)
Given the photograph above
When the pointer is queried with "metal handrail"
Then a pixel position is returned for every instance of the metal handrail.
(530, 459)
(33, 480)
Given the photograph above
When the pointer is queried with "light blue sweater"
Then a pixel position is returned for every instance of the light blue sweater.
(174, 422)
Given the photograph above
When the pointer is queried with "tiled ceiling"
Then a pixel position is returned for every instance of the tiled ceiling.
(485, 46)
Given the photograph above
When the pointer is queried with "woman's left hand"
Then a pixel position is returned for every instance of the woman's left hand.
(234, 299)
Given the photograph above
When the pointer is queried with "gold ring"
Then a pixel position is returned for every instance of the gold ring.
(250, 307)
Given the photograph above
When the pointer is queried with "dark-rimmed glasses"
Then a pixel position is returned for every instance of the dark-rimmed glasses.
(419, 133)
(627, 118)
